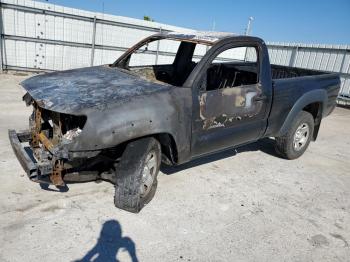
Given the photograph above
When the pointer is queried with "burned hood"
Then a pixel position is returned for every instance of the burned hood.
(74, 91)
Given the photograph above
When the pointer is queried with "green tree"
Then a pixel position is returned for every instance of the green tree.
(147, 18)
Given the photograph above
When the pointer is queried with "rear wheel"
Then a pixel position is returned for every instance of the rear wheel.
(136, 174)
(294, 143)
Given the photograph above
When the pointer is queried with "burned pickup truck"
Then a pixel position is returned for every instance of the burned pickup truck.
(170, 98)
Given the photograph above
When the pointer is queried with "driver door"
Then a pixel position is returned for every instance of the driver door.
(229, 102)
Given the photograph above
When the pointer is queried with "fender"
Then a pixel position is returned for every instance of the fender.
(166, 112)
(313, 96)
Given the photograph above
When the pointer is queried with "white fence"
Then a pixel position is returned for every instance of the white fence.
(42, 36)
(38, 35)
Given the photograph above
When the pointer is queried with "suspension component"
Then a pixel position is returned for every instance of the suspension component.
(56, 175)
(36, 128)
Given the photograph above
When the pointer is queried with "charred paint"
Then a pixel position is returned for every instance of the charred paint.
(74, 91)
(218, 107)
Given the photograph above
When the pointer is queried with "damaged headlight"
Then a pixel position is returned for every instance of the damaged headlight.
(71, 126)
(57, 127)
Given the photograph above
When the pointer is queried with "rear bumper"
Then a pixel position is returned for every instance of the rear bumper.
(37, 172)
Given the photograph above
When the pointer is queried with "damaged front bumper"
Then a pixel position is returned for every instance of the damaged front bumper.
(81, 167)
(37, 171)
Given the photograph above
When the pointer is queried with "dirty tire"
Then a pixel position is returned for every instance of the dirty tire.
(285, 144)
(129, 174)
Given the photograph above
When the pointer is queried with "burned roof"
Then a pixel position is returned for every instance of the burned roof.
(201, 36)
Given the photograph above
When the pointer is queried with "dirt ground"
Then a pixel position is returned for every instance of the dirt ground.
(241, 205)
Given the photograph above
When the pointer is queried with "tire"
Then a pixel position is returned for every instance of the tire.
(133, 174)
(293, 145)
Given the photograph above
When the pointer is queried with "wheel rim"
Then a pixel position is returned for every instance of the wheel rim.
(148, 173)
(301, 136)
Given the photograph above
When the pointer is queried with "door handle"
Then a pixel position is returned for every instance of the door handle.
(259, 98)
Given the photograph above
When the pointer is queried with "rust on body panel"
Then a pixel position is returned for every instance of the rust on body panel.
(45, 141)
(56, 175)
(40, 141)
(36, 128)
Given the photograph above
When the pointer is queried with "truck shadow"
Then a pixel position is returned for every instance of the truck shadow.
(109, 243)
(265, 145)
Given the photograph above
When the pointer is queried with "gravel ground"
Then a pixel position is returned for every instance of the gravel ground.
(241, 205)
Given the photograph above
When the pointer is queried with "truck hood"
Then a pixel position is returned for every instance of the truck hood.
(75, 91)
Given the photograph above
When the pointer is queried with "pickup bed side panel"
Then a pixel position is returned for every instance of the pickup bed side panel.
(291, 95)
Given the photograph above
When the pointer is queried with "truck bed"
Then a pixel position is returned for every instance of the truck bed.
(279, 72)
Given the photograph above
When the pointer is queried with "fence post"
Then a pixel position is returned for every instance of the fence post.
(93, 42)
(1, 46)
(342, 70)
(157, 54)
(342, 66)
(293, 57)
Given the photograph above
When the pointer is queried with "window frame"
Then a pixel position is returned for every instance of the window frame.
(194, 80)
(219, 51)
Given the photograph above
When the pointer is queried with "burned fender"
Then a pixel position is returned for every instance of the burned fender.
(161, 112)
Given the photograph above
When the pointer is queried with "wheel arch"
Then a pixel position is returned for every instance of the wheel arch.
(312, 102)
(167, 142)
(168, 147)
(315, 109)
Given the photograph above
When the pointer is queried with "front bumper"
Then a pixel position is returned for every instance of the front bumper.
(37, 171)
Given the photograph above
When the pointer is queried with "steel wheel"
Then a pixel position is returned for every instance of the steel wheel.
(148, 173)
(301, 136)
(295, 141)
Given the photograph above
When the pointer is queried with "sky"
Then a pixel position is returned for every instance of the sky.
(302, 21)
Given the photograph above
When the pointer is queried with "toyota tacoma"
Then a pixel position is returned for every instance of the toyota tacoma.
(170, 98)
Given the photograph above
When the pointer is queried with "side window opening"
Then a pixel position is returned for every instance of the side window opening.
(233, 68)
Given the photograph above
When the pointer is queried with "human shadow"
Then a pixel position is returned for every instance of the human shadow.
(266, 145)
(109, 243)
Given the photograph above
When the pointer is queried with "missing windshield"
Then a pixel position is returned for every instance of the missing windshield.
(164, 60)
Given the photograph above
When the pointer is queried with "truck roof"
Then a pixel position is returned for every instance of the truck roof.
(208, 37)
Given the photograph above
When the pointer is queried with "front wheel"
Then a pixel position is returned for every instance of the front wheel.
(294, 143)
(136, 174)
